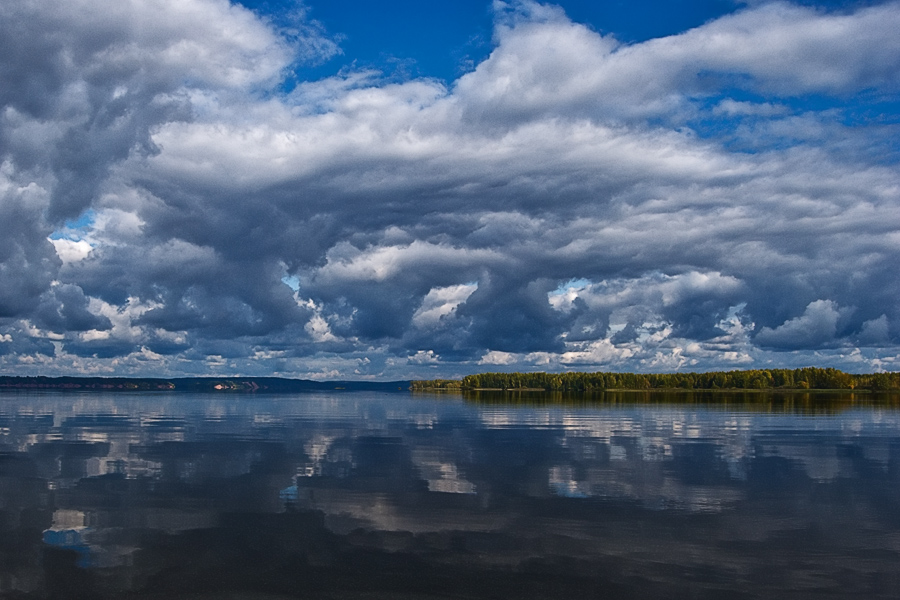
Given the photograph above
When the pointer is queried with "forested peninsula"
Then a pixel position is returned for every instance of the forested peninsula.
(810, 378)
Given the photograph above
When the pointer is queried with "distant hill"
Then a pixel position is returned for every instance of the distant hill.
(197, 384)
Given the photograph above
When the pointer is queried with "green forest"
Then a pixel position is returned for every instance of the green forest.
(809, 378)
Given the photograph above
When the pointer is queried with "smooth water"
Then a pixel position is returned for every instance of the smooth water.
(367, 495)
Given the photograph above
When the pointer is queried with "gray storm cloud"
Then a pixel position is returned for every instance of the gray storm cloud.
(571, 202)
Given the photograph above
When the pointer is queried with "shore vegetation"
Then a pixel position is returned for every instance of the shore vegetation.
(808, 378)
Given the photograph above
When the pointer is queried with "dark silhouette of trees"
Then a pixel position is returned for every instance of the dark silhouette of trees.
(809, 378)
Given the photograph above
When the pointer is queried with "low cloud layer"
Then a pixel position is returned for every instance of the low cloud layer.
(723, 198)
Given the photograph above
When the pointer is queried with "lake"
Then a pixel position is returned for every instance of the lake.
(375, 495)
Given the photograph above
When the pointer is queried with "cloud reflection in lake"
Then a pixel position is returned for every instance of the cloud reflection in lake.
(390, 495)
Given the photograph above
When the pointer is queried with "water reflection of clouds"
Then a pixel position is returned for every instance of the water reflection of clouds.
(98, 472)
(611, 452)
(652, 433)
(440, 471)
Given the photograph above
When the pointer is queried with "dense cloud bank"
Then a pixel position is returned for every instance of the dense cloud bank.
(724, 198)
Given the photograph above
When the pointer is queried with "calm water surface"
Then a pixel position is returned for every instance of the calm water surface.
(367, 495)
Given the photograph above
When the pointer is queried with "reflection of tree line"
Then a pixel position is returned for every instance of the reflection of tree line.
(760, 401)
(809, 378)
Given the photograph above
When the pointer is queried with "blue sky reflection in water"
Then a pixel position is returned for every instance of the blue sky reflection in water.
(395, 190)
(364, 495)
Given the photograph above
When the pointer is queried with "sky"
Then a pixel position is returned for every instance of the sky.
(356, 190)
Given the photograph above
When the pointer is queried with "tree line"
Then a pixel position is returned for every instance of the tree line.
(808, 378)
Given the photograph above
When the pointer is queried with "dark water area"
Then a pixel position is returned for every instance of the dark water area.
(371, 495)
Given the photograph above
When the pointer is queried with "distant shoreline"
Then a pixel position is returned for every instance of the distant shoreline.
(196, 384)
(796, 380)
(669, 390)
(807, 379)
